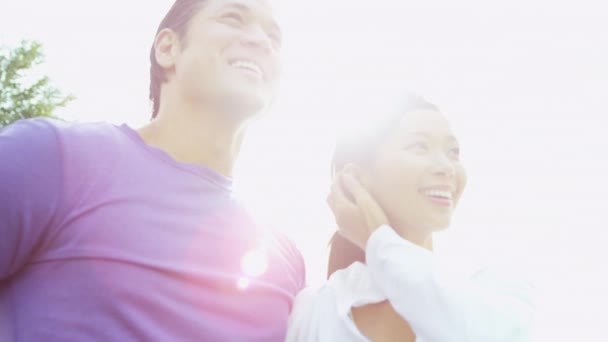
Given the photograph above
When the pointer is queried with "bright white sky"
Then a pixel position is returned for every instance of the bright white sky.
(524, 83)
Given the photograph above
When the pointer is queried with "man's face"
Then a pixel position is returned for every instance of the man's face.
(230, 55)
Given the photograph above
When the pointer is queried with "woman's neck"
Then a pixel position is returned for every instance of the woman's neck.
(419, 237)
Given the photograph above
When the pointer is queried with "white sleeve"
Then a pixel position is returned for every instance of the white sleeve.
(304, 320)
(441, 309)
(322, 314)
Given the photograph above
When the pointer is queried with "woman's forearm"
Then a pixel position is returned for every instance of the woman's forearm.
(442, 309)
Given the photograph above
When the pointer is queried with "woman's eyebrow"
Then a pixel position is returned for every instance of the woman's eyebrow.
(449, 137)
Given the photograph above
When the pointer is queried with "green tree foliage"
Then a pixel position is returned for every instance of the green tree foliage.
(19, 97)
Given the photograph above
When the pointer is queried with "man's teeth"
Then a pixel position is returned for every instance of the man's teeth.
(439, 193)
(247, 65)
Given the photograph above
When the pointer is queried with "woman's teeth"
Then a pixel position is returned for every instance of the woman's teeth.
(439, 193)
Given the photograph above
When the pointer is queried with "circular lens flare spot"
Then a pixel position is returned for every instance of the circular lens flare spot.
(243, 283)
(254, 263)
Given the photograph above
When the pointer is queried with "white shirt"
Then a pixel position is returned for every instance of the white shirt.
(438, 308)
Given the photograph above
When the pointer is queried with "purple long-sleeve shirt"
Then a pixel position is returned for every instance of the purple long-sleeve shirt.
(103, 237)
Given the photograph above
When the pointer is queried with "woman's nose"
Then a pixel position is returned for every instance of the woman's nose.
(443, 165)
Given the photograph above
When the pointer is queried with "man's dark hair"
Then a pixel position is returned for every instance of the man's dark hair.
(176, 19)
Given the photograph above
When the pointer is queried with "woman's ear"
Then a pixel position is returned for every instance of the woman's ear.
(358, 172)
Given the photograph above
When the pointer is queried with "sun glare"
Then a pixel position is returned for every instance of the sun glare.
(522, 82)
(254, 263)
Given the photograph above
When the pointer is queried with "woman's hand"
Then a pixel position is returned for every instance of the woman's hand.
(357, 212)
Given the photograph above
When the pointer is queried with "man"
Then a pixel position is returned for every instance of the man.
(107, 233)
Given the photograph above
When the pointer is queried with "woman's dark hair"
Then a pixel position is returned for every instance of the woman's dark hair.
(176, 19)
(360, 149)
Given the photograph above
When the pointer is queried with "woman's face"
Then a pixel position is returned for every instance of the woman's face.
(417, 176)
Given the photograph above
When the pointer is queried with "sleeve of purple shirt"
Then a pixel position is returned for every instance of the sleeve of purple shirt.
(30, 188)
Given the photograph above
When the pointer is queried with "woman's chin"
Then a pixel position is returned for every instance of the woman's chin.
(442, 224)
(437, 225)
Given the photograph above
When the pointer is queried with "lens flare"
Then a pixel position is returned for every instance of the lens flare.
(254, 263)
(243, 283)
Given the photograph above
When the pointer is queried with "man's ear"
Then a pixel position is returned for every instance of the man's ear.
(166, 48)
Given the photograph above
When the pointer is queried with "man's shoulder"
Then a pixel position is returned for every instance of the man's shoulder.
(286, 244)
(292, 256)
(87, 131)
(30, 138)
(31, 129)
(81, 141)
(48, 129)
(80, 149)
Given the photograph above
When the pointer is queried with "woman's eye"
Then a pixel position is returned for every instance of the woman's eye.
(276, 40)
(454, 152)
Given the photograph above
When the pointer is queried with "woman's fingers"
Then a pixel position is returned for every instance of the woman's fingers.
(338, 201)
(353, 186)
(346, 212)
(370, 209)
(356, 211)
(336, 195)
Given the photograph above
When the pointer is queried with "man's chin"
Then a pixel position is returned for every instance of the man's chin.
(245, 102)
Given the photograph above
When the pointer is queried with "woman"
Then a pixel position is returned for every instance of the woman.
(393, 188)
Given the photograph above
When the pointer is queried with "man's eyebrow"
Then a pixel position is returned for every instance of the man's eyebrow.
(238, 5)
(245, 8)
(417, 133)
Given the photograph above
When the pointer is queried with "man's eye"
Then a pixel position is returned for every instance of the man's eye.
(418, 146)
(233, 17)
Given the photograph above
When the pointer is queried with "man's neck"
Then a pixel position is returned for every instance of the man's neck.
(196, 136)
